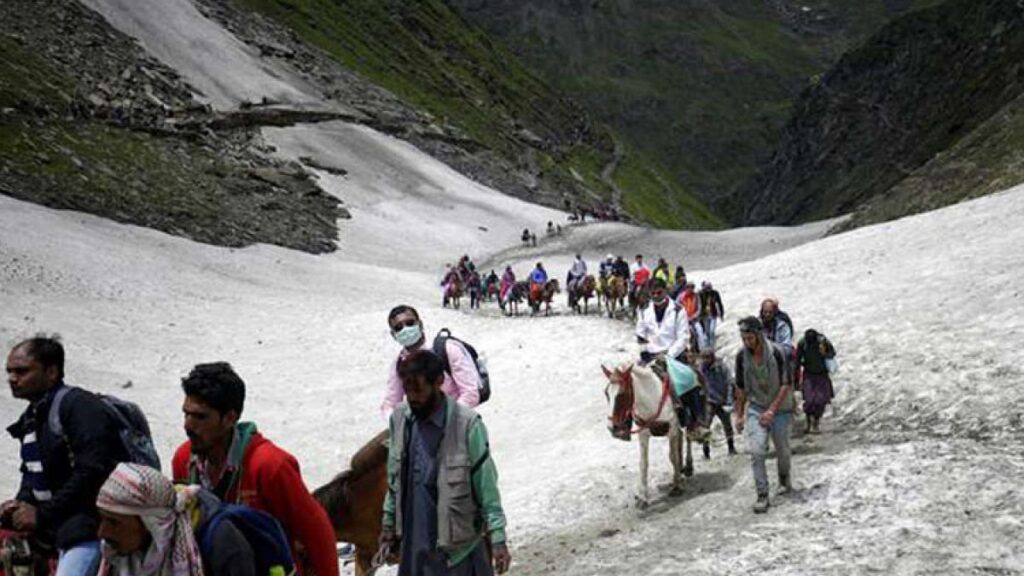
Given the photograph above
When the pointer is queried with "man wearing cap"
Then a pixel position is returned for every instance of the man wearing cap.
(764, 405)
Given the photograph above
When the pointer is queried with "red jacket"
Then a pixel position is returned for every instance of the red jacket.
(271, 481)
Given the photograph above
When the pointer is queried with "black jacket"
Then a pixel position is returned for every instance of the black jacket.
(76, 466)
(621, 269)
(711, 304)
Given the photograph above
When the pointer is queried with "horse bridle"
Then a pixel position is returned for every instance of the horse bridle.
(625, 411)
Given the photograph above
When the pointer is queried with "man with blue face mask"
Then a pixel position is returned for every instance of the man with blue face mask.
(461, 380)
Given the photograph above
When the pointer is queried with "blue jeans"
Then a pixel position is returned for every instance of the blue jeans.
(709, 324)
(82, 559)
(757, 443)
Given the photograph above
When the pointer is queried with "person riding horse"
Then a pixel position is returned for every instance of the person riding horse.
(491, 285)
(508, 280)
(538, 278)
(451, 278)
(663, 332)
(575, 275)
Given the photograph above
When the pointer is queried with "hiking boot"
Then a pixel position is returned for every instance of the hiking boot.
(732, 447)
(785, 487)
(707, 451)
(761, 506)
(815, 429)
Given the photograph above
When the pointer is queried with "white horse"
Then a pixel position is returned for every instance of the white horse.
(638, 395)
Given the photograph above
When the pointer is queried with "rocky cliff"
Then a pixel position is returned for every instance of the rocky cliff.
(921, 115)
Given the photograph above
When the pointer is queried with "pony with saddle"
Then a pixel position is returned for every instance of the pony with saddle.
(615, 295)
(513, 296)
(583, 288)
(453, 292)
(354, 501)
(642, 405)
(543, 295)
(639, 297)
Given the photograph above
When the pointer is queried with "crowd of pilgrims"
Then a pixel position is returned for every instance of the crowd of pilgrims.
(92, 499)
(667, 307)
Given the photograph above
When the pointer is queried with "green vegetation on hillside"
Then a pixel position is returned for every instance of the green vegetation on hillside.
(53, 153)
(426, 54)
(700, 87)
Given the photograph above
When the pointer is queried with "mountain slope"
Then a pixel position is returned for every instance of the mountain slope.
(432, 59)
(701, 87)
(86, 124)
(914, 90)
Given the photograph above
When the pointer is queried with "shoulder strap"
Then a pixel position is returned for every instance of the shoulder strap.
(53, 417)
(440, 348)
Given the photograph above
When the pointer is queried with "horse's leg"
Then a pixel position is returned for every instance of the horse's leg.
(688, 467)
(364, 560)
(675, 446)
(645, 444)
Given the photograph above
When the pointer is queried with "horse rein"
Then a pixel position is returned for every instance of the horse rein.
(626, 384)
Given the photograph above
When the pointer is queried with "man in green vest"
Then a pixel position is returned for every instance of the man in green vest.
(443, 500)
(764, 406)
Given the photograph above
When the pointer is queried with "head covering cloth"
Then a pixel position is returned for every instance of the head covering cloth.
(165, 510)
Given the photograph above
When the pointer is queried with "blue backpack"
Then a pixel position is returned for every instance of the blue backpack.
(271, 551)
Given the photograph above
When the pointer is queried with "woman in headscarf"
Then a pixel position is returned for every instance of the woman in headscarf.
(812, 351)
(147, 525)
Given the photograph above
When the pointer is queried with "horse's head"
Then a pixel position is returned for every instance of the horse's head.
(621, 396)
(552, 287)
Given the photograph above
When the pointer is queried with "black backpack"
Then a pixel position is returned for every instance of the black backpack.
(441, 350)
(132, 426)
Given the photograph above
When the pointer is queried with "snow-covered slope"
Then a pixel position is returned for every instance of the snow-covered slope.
(918, 475)
(915, 319)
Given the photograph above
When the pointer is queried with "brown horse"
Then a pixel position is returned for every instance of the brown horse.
(516, 294)
(453, 292)
(582, 289)
(544, 295)
(354, 500)
(615, 295)
(638, 298)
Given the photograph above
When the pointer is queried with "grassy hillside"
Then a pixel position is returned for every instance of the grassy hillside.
(430, 57)
(64, 145)
(701, 87)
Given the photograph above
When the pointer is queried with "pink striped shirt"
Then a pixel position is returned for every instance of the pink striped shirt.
(462, 385)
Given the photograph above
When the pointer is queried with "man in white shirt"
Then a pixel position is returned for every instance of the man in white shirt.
(661, 327)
